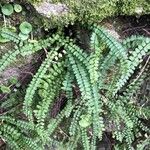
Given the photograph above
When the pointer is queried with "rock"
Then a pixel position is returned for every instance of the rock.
(114, 33)
(9, 73)
(49, 9)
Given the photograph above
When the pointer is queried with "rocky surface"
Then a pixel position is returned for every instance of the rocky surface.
(9, 73)
(48, 9)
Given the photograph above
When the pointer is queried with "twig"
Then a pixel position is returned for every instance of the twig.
(4, 20)
(146, 31)
(133, 28)
(45, 51)
(142, 70)
(61, 131)
(28, 73)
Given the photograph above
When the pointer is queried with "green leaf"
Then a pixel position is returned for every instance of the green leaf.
(7, 9)
(85, 121)
(7, 29)
(17, 8)
(25, 27)
(3, 40)
(13, 80)
(23, 36)
(5, 89)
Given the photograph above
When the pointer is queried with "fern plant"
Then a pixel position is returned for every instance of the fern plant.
(104, 93)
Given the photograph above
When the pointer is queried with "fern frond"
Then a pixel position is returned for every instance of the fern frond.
(81, 77)
(116, 52)
(31, 48)
(18, 123)
(27, 49)
(90, 94)
(9, 140)
(67, 87)
(53, 123)
(132, 88)
(72, 144)
(8, 58)
(85, 139)
(11, 135)
(93, 68)
(54, 81)
(28, 143)
(74, 123)
(129, 137)
(94, 61)
(10, 35)
(116, 49)
(93, 141)
(134, 60)
(133, 41)
(94, 42)
(35, 83)
(77, 52)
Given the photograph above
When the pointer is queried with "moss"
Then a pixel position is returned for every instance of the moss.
(91, 11)
(35, 1)
(96, 10)
(135, 7)
(58, 21)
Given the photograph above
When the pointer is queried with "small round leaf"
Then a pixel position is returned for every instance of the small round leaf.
(17, 8)
(23, 36)
(7, 9)
(85, 121)
(25, 27)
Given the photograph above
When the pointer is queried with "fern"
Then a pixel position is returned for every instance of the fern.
(35, 82)
(133, 62)
(8, 58)
(73, 142)
(23, 50)
(116, 49)
(15, 137)
(19, 123)
(67, 87)
(54, 122)
(143, 144)
(95, 57)
(49, 95)
(85, 139)
(106, 79)
(10, 36)
(74, 123)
